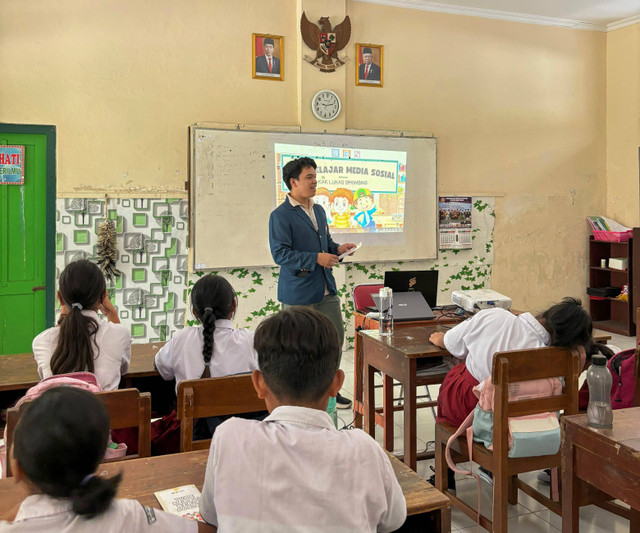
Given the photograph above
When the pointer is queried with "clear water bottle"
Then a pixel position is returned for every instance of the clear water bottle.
(599, 413)
(385, 319)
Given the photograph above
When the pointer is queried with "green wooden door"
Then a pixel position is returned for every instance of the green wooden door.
(27, 233)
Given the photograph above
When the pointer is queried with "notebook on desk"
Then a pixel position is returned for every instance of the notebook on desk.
(407, 306)
(424, 281)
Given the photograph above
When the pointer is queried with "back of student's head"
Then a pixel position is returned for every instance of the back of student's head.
(59, 442)
(212, 298)
(568, 323)
(292, 170)
(81, 286)
(298, 354)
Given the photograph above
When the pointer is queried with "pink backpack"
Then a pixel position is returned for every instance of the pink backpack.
(80, 380)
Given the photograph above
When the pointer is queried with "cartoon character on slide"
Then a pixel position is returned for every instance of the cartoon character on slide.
(365, 205)
(323, 198)
(340, 206)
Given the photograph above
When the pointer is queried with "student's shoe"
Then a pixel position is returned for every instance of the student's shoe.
(342, 402)
(544, 476)
(451, 480)
(485, 476)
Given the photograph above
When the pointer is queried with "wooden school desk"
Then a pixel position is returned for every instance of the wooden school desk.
(361, 322)
(604, 459)
(427, 507)
(396, 356)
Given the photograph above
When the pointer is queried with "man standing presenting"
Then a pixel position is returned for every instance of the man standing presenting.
(268, 63)
(303, 248)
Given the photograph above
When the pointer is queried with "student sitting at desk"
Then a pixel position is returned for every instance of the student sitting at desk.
(215, 349)
(295, 471)
(81, 341)
(566, 324)
(58, 443)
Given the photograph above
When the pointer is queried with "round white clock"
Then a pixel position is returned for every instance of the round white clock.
(326, 105)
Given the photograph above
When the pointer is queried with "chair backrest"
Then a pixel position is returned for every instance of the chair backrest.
(201, 398)
(525, 365)
(361, 295)
(126, 407)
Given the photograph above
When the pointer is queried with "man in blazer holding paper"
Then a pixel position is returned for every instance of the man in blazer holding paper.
(303, 248)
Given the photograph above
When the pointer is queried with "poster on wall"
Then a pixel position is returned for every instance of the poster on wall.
(454, 222)
(11, 165)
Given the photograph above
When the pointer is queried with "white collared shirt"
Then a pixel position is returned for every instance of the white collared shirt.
(493, 330)
(112, 351)
(181, 358)
(295, 472)
(45, 514)
(310, 213)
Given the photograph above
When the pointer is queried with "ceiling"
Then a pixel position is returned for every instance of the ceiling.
(598, 15)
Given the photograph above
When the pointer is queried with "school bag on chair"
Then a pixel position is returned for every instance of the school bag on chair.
(529, 436)
(80, 380)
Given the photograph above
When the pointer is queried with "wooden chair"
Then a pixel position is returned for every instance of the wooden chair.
(126, 407)
(201, 398)
(512, 367)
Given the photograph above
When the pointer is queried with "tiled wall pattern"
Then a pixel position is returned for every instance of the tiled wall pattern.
(152, 237)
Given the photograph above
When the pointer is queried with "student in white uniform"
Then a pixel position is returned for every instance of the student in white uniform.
(295, 471)
(58, 444)
(214, 349)
(82, 341)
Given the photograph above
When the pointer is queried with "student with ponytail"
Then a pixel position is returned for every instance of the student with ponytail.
(81, 341)
(58, 444)
(215, 348)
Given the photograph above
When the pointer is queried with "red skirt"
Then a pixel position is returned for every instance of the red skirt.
(456, 398)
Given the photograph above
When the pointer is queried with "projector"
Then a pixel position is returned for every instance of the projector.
(473, 301)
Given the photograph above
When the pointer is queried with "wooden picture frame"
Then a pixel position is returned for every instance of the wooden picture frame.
(261, 68)
(373, 76)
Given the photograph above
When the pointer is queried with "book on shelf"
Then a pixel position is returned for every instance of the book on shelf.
(183, 501)
(600, 223)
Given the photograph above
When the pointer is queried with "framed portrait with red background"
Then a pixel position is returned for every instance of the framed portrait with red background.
(268, 57)
(370, 64)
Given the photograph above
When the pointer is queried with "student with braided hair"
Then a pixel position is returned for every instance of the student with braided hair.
(215, 348)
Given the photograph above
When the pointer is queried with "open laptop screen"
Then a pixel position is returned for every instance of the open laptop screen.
(425, 281)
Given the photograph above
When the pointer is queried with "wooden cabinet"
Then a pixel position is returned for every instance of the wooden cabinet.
(611, 314)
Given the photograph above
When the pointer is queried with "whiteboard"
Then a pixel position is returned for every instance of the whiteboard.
(233, 191)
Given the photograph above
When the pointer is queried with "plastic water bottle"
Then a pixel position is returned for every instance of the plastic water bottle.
(599, 413)
(385, 319)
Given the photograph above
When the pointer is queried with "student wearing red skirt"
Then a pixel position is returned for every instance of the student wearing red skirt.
(475, 341)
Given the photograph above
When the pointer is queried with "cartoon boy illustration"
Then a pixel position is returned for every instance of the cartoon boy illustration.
(340, 205)
(323, 198)
(366, 207)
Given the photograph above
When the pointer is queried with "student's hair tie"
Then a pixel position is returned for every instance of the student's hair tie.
(208, 309)
(86, 479)
(79, 306)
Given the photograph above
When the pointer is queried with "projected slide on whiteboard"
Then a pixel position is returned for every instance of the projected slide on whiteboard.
(361, 190)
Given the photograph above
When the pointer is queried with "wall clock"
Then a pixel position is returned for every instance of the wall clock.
(326, 105)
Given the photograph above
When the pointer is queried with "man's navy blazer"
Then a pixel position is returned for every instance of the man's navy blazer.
(262, 65)
(295, 245)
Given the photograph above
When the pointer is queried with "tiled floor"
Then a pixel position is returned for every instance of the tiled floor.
(528, 516)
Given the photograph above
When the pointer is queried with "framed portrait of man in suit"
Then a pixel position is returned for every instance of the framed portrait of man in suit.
(268, 57)
(370, 64)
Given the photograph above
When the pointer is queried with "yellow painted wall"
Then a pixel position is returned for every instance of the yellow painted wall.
(623, 124)
(517, 109)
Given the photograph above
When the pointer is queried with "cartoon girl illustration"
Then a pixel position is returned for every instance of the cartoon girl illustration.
(323, 198)
(340, 206)
(365, 205)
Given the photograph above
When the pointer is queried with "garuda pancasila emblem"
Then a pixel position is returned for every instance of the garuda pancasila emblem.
(325, 41)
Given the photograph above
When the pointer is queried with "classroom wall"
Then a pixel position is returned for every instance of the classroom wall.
(518, 110)
(623, 124)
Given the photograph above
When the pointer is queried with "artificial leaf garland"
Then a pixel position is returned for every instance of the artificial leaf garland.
(107, 251)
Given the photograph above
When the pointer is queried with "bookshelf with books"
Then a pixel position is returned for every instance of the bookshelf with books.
(610, 313)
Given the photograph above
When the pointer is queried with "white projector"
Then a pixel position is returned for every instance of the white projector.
(473, 301)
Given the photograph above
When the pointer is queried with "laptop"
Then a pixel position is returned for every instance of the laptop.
(408, 306)
(425, 281)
